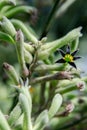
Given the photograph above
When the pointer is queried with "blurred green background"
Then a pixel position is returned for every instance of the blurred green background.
(74, 16)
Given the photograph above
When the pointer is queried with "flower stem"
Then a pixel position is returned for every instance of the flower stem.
(56, 76)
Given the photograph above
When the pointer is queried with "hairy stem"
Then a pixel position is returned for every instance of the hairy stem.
(57, 76)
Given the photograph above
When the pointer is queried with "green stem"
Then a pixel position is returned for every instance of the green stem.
(3, 10)
(6, 37)
(20, 53)
(42, 95)
(50, 94)
(15, 114)
(75, 44)
(3, 123)
(66, 90)
(66, 4)
(27, 32)
(6, 2)
(44, 68)
(73, 123)
(56, 76)
(51, 47)
(70, 86)
(27, 124)
(50, 17)
(68, 38)
(19, 9)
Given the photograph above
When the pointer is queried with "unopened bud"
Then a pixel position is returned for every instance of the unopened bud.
(13, 2)
(25, 72)
(81, 85)
(8, 27)
(9, 69)
(44, 39)
(66, 75)
(69, 108)
(20, 52)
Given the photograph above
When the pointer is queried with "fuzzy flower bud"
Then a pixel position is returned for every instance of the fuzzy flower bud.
(20, 52)
(81, 85)
(13, 2)
(69, 108)
(8, 27)
(10, 71)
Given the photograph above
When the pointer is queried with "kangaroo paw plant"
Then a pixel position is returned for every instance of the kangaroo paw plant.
(47, 93)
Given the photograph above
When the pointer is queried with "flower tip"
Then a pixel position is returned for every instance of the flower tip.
(44, 39)
(19, 35)
(4, 18)
(6, 65)
(78, 31)
(25, 72)
(70, 107)
(13, 2)
(80, 28)
(81, 85)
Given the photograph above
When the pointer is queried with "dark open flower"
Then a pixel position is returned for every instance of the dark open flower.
(68, 57)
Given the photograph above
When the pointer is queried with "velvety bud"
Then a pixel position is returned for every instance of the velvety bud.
(69, 108)
(81, 85)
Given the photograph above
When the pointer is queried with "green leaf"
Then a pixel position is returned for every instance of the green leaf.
(7, 26)
(27, 125)
(19, 9)
(6, 38)
(41, 120)
(14, 115)
(55, 105)
(3, 123)
(6, 2)
(27, 31)
(10, 71)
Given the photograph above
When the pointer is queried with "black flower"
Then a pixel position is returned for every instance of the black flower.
(68, 57)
